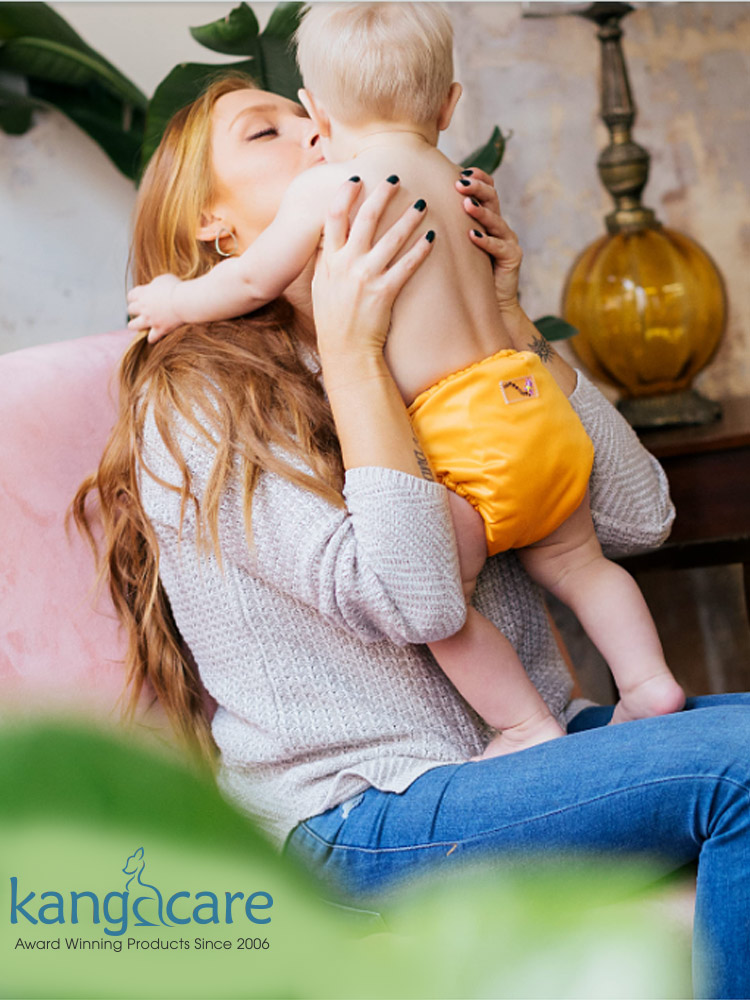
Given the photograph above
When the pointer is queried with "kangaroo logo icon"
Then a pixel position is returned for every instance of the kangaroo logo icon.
(148, 898)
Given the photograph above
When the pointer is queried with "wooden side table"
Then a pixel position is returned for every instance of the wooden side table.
(709, 476)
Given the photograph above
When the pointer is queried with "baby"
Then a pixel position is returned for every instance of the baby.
(494, 424)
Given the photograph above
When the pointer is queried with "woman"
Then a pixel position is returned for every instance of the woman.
(291, 537)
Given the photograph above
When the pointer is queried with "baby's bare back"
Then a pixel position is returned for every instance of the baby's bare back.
(446, 317)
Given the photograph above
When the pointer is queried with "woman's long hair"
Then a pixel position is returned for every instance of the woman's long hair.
(247, 386)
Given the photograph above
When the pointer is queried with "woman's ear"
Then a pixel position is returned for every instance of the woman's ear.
(449, 106)
(316, 112)
(209, 227)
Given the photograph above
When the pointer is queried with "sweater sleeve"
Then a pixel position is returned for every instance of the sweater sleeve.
(384, 566)
(630, 502)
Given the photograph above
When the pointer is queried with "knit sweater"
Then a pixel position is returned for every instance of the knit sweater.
(311, 639)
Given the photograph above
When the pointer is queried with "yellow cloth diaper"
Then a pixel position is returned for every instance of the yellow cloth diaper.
(502, 434)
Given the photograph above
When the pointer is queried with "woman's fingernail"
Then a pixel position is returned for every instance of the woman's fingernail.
(393, 179)
(478, 234)
(465, 183)
(430, 235)
(475, 202)
(420, 205)
(467, 173)
(354, 180)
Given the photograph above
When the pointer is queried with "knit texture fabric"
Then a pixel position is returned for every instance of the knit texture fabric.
(311, 639)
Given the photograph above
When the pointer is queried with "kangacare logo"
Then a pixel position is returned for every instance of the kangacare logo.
(139, 905)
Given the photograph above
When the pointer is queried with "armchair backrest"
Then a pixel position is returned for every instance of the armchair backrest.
(59, 647)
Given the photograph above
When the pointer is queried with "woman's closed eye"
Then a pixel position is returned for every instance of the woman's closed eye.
(270, 130)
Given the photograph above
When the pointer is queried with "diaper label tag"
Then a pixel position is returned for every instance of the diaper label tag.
(518, 390)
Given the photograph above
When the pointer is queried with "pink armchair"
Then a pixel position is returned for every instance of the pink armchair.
(59, 647)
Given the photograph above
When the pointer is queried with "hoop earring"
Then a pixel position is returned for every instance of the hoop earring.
(221, 234)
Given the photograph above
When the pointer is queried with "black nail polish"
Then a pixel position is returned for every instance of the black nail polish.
(354, 180)
(420, 205)
(393, 179)
(475, 202)
(430, 235)
(465, 183)
(467, 173)
(478, 234)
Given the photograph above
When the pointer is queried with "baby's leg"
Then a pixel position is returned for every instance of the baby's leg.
(480, 661)
(610, 607)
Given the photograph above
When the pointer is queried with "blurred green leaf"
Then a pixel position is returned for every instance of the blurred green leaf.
(488, 156)
(275, 65)
(56, 62)
(15, 119)
(16, 111)
(238, 34)
(37, 20)
(116, 127)
(62, 71)
(554, 328)
(34, 23)
(77, 802)
(280, 71)
(279, 55)
(111, 780)
(284, 20)
(235, 34)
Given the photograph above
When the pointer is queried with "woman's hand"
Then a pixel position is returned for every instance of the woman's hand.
(498, 240)
(501, 243)
(356, 280)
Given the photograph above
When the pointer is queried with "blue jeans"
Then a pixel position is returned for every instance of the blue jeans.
(673, 787)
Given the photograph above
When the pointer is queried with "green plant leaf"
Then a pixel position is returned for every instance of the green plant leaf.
(59, 63)
(280, 73)
(236, 34)
(275, 65)
(554, 328)
(116, 127)
(62, 71)
(284, 20)
(488, 156)
(16, 111)
(15, 120)
(271, 64)
(37, 20)
(181, 86)
(77, 802)
(123, 148)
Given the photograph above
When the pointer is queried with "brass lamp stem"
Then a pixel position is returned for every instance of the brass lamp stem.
(623, 165)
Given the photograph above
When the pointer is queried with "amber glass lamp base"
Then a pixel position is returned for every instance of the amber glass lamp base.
(650, 308)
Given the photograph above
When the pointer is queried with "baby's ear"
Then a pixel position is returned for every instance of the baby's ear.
(316, 112)
(449, 106)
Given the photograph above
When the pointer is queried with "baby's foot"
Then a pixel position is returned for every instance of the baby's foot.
(657, 695)
(525, 734)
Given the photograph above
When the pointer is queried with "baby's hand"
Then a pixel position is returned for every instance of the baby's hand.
(151, 308)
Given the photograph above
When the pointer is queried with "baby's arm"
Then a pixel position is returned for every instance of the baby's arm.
(240, 284)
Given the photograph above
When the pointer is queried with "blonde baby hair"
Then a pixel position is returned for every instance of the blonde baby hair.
(377, 61)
